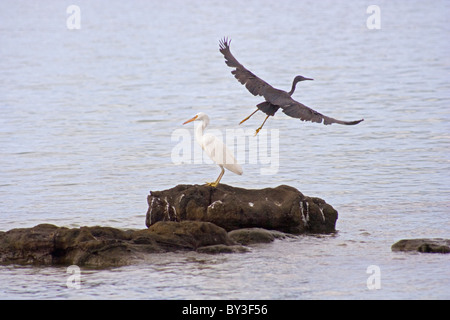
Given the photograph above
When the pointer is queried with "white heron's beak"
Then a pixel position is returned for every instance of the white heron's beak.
(190, 120)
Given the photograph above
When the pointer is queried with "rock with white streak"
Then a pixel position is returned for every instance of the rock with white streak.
(283, 208)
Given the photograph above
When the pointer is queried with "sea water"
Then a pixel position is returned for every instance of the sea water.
(91, 97)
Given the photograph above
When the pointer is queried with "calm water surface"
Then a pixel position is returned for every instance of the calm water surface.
(87, 118)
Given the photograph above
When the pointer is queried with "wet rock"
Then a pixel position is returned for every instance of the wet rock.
(189, 234)
(283, 208)
(28, 246)
(436, 245)
(51, 245)
(47, 244)
(251, 235)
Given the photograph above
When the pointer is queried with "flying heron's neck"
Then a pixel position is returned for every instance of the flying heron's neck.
(294, 83)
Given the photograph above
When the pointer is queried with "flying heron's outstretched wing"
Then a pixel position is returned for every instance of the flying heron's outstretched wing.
(298, 110)
(275, 98)
(255, 85)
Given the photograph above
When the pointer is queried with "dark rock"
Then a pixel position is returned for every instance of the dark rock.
(95, 246)
(51, 245)
(189, 234)
(436, 245)
(251, 235)
(47, 244)
(248, 236)
(282, 208)
(28, 246)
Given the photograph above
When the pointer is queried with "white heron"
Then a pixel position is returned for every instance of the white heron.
(214, 148)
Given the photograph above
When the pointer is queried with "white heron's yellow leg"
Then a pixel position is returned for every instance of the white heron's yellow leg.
(216, 183)
(257, 130)
(248, 116)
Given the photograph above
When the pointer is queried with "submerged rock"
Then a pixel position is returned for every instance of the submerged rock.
(436, 245)
(283, 208)
(220, 248)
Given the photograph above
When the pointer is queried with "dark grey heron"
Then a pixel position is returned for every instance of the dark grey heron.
(275, 98)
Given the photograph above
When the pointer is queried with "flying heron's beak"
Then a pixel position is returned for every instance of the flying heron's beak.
(309, 79)
(190, 120)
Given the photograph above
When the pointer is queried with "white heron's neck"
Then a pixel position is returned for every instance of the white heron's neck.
(200, 129)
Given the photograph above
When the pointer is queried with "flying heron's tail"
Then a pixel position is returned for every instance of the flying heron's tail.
(268, 108)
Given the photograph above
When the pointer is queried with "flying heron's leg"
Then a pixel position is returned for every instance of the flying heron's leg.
(248, 116)
(257, 130)
(216, 183)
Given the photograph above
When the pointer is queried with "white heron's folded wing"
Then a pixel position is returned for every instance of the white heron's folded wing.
(220, 154)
